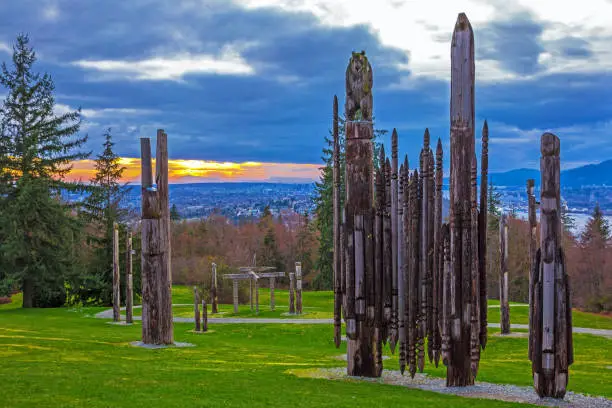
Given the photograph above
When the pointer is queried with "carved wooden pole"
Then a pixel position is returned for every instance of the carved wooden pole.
(379, 259)
(401, 252)
(437, 256)
(362, 342)
(503, 275)
(204, 315)
(482, 234)
(387, 250)
(413, 287)
(116, 275)
(291, 293)
(256, 286)
(337, 239)
(272, 300)
(156, 274)
(551, 326)
(235, 293)
(196, 308)
(394, 335)
(424, 247)
(213, 290)
(460, 369)
(533, 223)
(298, 285)
(129, 287)
(475, 277)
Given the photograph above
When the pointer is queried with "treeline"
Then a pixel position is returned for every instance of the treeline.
(588, 258)
(270, 241)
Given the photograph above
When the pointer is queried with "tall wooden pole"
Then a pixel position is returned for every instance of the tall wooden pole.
(437, 255)
(156, 273)
(116, 275)
(394, 334)
(235, 294)
(291, 293)
(298, 286)
(533, 223)
(337, 240)
(196, 308)
(362, 342)
(204, 315)
(272, 300)
(213, 291)
(401, 268)
(129, 287)
(482, 233)
(503, 275)
(459, 367)
(551, 325)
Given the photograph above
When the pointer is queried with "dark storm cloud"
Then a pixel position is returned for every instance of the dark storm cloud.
(282, 112)
(515, 43)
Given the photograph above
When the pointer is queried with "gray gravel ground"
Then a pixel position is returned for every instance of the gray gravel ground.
(484, 390)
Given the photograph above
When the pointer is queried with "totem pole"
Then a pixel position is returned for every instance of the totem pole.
(550, 333)
(156, 274)
(362, 342)
(461, 313)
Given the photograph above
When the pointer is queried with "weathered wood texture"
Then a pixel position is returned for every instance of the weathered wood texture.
(157, 325)
(235, 294)
(533, 223)
(129, 284)
(482, 233)
(337, 239)
(298, 287)
(504, 306)
(196, 308)
(550, 335)
(204, 315)
(213, 290)
(406, 277)
(116, 275)
(291, 292)
(462, 317)
(362, 341)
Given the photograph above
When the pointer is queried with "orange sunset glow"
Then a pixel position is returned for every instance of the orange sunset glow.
(193, 171)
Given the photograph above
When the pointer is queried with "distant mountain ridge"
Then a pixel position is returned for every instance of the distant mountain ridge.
(589, 175)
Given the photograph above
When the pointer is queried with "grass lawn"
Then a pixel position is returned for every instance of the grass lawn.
(320, 305)
(66, 358)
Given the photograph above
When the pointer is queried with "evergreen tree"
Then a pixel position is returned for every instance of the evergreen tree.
(494, 207)
(36, 149)
(35, 141)
(269, 254)
(569, 223)
(325, 205)
(305, 238)
(174, 214)
(101, 209)
(597, 229)
(38, 243)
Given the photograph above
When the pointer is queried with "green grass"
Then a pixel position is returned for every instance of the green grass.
(320, 305)
(66, 358)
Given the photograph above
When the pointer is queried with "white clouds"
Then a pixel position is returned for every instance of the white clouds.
(417, 27)
(61, 109)
(50, 12)
(5, 48)
(173, 68)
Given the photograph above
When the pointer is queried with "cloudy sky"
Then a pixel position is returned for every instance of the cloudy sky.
(244, 88)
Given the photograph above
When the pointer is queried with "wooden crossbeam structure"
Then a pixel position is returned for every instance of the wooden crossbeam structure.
(253, 274)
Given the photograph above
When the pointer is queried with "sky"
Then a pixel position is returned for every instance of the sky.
(244, 88)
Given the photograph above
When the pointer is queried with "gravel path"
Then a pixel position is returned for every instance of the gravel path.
(108, 314)
(484, 390)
